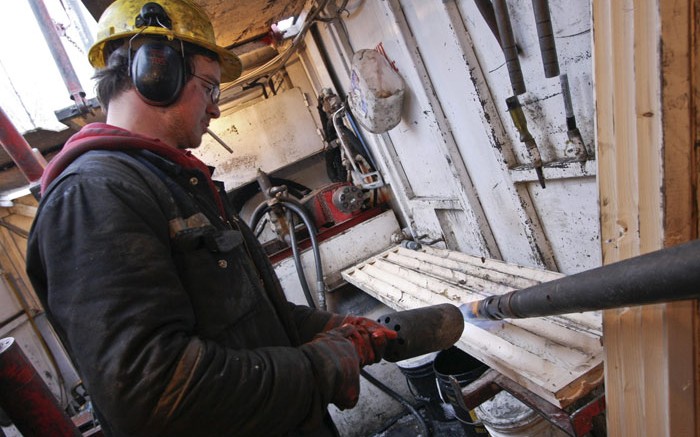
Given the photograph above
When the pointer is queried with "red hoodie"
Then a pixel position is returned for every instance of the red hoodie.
(102, 136)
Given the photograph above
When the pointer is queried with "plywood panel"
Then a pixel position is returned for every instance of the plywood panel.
(645, 151)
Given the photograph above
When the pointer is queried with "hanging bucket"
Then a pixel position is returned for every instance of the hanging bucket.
(505, 416)
(421, 381)
(465, 369)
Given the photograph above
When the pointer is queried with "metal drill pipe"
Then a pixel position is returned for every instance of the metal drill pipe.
(548, 48)
(665, 275)
(505, 30)
(422, 330)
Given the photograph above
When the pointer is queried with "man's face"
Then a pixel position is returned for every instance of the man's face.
(188, 118)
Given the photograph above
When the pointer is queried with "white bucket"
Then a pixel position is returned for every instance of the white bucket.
(505, 416)
(376, 91)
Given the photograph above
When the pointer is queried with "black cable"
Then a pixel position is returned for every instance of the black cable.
(380, 385)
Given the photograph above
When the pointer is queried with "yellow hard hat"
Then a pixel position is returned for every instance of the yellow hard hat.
(188, 22)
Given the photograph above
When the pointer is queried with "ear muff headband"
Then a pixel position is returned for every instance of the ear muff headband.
(158, 73)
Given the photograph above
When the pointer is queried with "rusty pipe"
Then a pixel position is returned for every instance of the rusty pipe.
(19, 150)
(26, 399)
(422, 330)
(65, 67)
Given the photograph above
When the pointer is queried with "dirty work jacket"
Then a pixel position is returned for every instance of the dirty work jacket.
(174, 318)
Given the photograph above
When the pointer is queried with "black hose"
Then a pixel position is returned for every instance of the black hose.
(296, 207)
(258, 212)
(398, 398)
(297, 260)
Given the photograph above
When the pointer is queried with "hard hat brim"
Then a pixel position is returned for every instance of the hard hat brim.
(231, 66)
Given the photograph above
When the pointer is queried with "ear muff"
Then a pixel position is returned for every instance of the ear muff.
(158, 73)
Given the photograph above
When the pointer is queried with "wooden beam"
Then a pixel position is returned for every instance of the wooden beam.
(645, 144)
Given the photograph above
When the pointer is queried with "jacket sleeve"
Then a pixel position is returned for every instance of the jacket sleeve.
(99, 254)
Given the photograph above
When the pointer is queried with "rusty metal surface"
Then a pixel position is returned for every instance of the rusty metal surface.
(576, 423)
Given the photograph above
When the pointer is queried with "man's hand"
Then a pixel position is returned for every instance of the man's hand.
(337, 364)
(369, 337)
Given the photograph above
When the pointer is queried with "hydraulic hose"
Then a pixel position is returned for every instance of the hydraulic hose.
(257, 215)
(297, 260)
(298, 209)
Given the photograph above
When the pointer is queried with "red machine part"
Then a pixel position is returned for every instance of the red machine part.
(334, 204)
(26, 399)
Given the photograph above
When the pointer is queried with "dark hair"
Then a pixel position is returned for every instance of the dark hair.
(115, 78)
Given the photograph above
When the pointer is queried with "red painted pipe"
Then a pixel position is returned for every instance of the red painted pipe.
(19, 150)
(26, 399)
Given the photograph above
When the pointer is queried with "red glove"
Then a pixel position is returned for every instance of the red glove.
(370, 338)
(337, 366)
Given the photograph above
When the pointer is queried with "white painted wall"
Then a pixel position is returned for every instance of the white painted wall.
(453, 161)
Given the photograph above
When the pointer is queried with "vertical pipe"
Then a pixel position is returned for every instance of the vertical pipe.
(19, 150)
(486, 9)
(548, 48)
(576, 146)
(505, 30)
(26, 399)
(60, 56)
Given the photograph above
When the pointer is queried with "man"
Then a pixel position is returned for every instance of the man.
(165, 301)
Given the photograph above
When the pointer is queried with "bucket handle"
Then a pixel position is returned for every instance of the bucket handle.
(460, 401)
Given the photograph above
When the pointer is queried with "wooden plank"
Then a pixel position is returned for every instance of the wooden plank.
(12, 262)
(645, 151)
(25, 210)
(555, 357)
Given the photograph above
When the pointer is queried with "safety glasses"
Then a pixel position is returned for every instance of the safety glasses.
(214, 91)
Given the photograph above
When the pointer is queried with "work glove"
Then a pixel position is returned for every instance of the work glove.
(336, 365)
(370, 338)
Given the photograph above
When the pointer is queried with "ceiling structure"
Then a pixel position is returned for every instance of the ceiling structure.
(239, 25)
(235, 22)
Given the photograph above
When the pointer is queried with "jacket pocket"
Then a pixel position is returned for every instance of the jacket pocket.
(219, 277)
